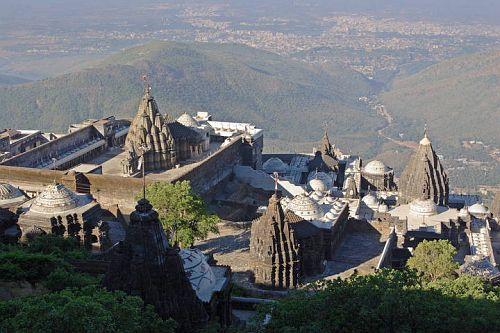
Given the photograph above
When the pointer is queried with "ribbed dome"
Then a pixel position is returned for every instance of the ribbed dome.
(8, 192)
(370, 200)
(323, 176)
(478, 209)
(305, 207)
(421, 207)
(274, 164)
(54, 199)
(318, 185)
(186, 120)
(376, 168)
(199, 272)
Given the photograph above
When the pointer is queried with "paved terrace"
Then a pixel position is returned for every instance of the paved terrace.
(358, 251)
(111, 159)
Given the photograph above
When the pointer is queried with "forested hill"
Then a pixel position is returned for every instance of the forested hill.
(9, 79)
(459, 99)
(290, 99)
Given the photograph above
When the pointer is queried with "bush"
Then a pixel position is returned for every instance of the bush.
(64, 247)
(33, 267)
(387, 301)
(61, 279)
(90, 309)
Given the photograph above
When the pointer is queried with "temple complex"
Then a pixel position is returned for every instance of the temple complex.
(424, 171)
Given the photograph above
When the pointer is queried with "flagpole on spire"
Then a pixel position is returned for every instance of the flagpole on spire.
(142, 162)
(276, 179)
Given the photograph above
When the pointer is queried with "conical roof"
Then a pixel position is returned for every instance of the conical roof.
(274, 249)
(55, 198)
(424, 173)
(149, 131)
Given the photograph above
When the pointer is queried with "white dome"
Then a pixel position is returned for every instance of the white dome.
(305, 207)
(199, 273)
(376, 168)
(8, 192)
(463, 212)
(187, 120)
(274, 164)
(317, 184)
(330, 216)
(478, 209)
(421, 207)
(54, 199)
(323, 176)
(370, 200)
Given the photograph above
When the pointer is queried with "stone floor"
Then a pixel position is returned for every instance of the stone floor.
(358, 251)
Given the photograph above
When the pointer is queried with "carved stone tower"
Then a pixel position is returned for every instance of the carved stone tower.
(145, 265)
(424, 171)
(274, 249)
(149, 135)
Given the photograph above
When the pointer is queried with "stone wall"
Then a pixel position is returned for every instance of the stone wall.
(112, 189)
(61, 145)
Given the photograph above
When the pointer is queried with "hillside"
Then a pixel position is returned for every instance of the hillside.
(290, 99)
(9, 79)
(459, 99)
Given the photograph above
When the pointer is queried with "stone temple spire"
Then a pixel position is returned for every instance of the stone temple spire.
(326, 147)
(145, 265)
(424, 174)
(274, 249)
(149, 130)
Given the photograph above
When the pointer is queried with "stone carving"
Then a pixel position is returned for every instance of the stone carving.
(149, 129)
(145, 265)
(274, 249)
(424, 169)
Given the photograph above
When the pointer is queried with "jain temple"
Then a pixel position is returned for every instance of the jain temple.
(287, 219)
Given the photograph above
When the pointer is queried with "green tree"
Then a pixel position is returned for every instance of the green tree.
(90, 309)
(386, 301)
(183, 214)
(434, 260)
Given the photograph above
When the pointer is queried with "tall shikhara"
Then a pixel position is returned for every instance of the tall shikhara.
(274, 249)
(149, 132)
(145, 265)
(424, 173)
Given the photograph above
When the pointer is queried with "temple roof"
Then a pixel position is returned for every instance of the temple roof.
(376, 167)
(186, 120)
(149, 128)
(54, 199)
(424, 173)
